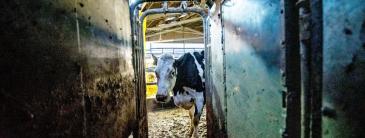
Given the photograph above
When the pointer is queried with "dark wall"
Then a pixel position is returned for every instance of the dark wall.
(344, 69)
(66, 69)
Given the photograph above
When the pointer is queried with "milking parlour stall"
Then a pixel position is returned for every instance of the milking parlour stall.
(182, 68)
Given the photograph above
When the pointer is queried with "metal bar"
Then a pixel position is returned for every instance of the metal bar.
(304, 13)
(159, 16)
(223, 31)
(208, 92)
(292, 69)
(171, 40)
(198, 10)
(135, 3)
(151, 83)
(316, 66)
(178, 48)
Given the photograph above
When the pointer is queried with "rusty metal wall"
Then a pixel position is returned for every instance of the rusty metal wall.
(245, 71)
(66, 69)
(344, 66)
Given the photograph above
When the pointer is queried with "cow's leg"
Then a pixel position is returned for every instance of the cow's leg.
(197, 109)
(198, 112)
(191, 115)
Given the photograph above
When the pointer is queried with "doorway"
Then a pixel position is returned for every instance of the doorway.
(165, 27)
(253, 68)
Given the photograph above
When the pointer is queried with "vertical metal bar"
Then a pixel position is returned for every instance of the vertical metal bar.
(316, 66)
(224, 71)
(143, 109)
(307, 96)
(223, 127)
(208, 95)
(305, 39)
(141, 121)
(292, 69)
(136, 130)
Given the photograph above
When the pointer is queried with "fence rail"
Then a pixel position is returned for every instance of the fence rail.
(175, 51)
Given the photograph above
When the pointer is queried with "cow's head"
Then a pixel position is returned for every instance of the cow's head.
(166, 76)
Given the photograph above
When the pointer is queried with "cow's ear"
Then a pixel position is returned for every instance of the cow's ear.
(176, 63)
(202, 53)
(154, 59)
(181, 61)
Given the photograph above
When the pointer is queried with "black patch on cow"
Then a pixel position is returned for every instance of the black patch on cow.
(200, 57)
(196, 111)
(188, 74)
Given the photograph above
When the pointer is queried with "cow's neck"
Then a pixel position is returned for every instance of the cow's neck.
(189, 74)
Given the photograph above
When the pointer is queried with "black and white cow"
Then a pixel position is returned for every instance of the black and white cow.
(185, 78)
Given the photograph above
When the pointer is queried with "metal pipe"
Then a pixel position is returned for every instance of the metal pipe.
(292, 69)
(135, 3)
(174, 24)
(198, 10)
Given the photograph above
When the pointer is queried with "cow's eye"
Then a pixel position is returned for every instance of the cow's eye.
(172, 73)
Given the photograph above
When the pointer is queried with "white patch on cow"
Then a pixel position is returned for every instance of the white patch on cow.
(184, 100)
(199, 101)
(200, 69)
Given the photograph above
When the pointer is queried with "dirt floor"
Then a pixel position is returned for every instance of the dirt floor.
(173, 123)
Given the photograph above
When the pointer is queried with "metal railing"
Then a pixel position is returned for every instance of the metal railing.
(177, 52)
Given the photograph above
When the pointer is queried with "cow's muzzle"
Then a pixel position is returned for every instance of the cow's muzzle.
(161, 98)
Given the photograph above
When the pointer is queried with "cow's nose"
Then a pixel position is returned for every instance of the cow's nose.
(161, 98)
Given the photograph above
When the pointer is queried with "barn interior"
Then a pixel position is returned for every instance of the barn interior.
(176, 34)
(274, 68)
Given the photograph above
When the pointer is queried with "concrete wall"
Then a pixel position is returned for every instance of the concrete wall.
(245, 70)
(344, 67)
(66, 69)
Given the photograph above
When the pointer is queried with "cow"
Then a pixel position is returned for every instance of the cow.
(184, 77)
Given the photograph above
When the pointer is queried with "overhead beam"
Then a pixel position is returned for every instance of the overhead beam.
(164, 32)
(159, 16)
(184, 32)
(143, 5)
(173, 36)
(175, 24)
(177, 30)
(193, 30)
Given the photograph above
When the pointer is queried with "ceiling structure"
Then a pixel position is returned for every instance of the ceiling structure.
(174, 27)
